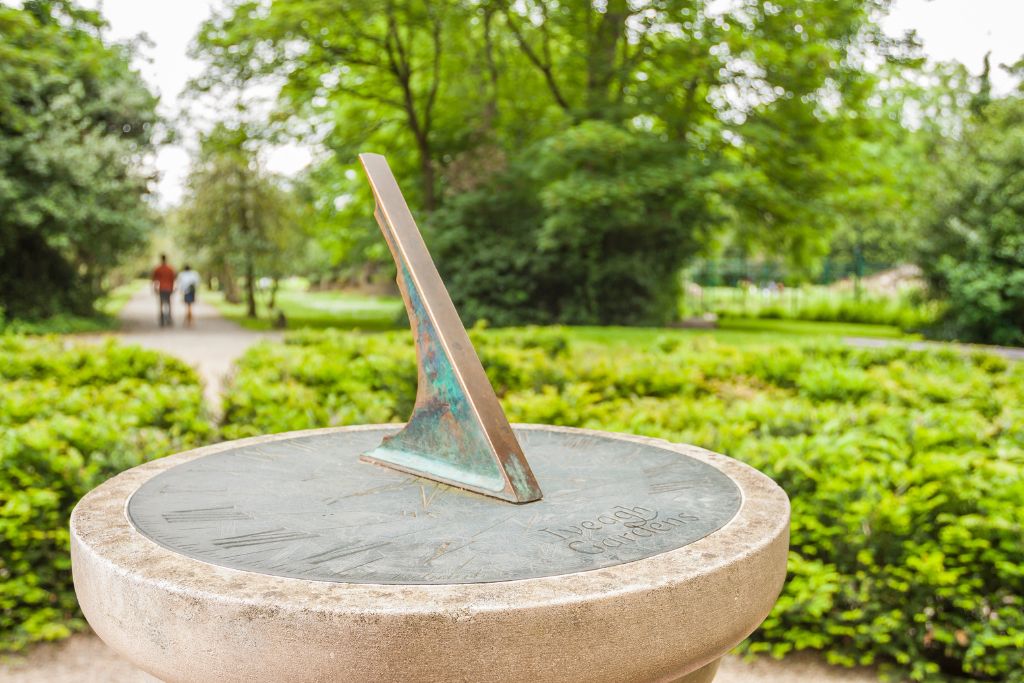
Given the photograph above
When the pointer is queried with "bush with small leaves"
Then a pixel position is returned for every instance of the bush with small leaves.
(69, 419)
(905, 468)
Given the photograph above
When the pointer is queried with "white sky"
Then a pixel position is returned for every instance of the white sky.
(963, 30)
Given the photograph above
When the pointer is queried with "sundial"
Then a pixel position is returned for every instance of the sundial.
(453, 547)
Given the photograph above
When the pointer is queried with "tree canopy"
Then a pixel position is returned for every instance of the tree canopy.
(238, 219)
(566, 159)
(762, 103)
(75, 123)
(972, 247)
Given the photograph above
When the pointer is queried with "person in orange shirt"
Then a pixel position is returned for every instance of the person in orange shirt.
(163, 284)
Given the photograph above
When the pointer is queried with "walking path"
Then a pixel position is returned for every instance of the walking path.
(1007, 352)
(211, 345)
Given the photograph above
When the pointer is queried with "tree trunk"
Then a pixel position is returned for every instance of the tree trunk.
(858, 271)
(229, 285)
(250, 290)
(273, 294)
(427, 174)
(602, 68)
(490, 113)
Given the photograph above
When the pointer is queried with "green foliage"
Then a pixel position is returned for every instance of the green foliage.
(103, 319)
(974, 251)
(883, 200)
(906, 310)
(237, 218)
(589, 228)
(70, 419)
(75, 124)
(61, 323)
(905, 468)
(755, 106)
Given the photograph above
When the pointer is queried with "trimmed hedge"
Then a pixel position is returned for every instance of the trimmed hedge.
(904, 467)
(70, 417)
(818, 303)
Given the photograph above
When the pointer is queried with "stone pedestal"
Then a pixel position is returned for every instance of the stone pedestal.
(667, 617)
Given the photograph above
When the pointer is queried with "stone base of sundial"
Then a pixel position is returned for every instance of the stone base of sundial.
(286, 558)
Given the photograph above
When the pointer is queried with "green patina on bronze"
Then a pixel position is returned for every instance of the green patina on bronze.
(442, 437)
(458, 433)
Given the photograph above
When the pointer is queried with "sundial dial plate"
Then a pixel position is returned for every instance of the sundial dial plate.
(308, 508)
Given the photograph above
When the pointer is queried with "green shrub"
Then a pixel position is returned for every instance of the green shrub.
(904, 467)
(69, 419)
(591, 226)
(61, 323)
(821, 304)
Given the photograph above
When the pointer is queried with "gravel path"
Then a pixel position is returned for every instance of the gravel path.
(85, 659)
(211, 345)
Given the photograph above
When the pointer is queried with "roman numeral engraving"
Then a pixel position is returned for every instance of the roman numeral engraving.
(176, 489)
(669, 486)
(341, 551)
(214, 514)
(278, 535)
(663, 470)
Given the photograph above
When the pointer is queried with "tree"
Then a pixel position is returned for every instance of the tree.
(387, 57)
(592, 230)
(236, 215)
(760, 99)
(894, 162)
(973, 247)
(75, 123)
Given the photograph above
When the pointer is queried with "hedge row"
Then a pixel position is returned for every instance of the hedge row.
(904, 467)
(70, 417)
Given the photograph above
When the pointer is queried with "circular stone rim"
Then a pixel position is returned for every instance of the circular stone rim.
(168, 536)
(103, 531)
(123, 579)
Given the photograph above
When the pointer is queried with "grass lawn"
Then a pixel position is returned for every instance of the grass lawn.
(114, 301)
(319, 310)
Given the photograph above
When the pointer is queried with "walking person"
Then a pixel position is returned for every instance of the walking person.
(163, 285)
(188, 283)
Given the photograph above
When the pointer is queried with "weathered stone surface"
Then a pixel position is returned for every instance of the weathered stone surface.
(655, 619)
